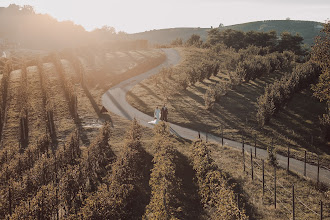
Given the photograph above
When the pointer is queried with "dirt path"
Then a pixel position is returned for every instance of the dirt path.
(114, 100)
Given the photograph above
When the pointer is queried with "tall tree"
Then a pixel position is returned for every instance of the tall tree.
(321, 55)
(233, 38)
(261, 39)
(213, 36)
(194, 40)
(291, 42)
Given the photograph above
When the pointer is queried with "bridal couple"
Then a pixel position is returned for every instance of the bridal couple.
(159, 114)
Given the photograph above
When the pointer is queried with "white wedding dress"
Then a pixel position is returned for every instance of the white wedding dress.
(157, 117)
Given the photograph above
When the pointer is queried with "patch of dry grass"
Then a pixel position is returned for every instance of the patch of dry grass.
(231, 162)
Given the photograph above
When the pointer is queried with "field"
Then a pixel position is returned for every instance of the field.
(251, 198)
(63, 155)
(80, 163)
(296, 125)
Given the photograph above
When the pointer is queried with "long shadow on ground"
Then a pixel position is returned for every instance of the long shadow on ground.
(192, 206)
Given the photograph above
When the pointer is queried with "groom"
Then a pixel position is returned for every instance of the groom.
(163, 113)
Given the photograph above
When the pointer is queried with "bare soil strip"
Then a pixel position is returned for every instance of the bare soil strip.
(10, 135)
(64, 123)
(88, 122)
(36, 108)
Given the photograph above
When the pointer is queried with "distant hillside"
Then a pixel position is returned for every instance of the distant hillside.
(21, 26)
(307, 29)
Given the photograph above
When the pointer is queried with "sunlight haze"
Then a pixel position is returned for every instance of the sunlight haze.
(138, 16)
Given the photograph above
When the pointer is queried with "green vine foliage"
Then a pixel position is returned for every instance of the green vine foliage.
(165, 186)
(215, 192)
(122, 195)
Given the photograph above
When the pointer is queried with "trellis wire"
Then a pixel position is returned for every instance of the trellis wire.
(283, 187)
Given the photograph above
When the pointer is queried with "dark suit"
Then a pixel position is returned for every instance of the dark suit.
(164, 113)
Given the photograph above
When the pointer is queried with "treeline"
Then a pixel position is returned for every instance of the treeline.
(255, 62)
(215, 192)
(241, 40)
(280, 91)
(47, 33)
(242, 66)
(321, 55)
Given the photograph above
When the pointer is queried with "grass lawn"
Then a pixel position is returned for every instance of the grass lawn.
(293, 126)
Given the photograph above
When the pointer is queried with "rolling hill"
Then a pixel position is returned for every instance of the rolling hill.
(307, 29)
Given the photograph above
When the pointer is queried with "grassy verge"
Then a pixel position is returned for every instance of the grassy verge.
(306, 193)
(293, 126)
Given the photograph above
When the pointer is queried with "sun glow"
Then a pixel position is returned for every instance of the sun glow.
(138, 16)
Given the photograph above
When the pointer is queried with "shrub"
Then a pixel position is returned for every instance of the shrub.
(325, 123)
(271, 152)
(214, 93)
(253, 67)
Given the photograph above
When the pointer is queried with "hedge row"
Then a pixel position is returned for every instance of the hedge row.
(250, 65)
(23, 108)
(199, 72)
(122, 195)
(215, 192)
(43, 184)
(278, 93)
(165, 185)
(254, 66)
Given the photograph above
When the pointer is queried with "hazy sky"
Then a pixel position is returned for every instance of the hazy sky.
(140, 15)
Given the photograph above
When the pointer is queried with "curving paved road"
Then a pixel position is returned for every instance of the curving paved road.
(114, 100)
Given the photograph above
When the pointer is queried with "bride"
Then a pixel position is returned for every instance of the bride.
(156, 116)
